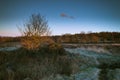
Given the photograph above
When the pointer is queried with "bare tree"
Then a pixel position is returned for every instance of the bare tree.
(35, 32)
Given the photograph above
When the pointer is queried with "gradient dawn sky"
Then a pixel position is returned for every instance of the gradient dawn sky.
(64, 16)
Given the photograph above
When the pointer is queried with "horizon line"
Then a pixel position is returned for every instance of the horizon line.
(82, 32)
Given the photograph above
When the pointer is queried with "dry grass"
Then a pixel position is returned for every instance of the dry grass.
(114, 49)
(48, 60)
(9, 44)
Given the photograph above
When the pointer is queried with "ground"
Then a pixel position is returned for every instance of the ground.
(80, 62)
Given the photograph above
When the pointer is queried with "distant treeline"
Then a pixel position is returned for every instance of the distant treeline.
(102, 37)
(9, 39)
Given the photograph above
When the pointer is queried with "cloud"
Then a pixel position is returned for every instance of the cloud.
(63, 15)
(66, 16)
(71, 17)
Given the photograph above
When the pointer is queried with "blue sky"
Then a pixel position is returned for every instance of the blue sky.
(64, 16)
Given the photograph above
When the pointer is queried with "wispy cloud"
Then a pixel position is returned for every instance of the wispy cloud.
(66, 16)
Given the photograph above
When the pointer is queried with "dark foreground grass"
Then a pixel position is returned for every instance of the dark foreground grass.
(114, 49)
(105, 68)
(35, 65)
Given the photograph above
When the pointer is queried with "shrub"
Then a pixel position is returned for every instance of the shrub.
(35, 32)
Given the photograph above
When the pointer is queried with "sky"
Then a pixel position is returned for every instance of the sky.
(63, 16)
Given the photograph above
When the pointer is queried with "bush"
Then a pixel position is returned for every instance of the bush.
(35, 32)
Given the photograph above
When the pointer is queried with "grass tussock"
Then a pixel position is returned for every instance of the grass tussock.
(48, 60)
